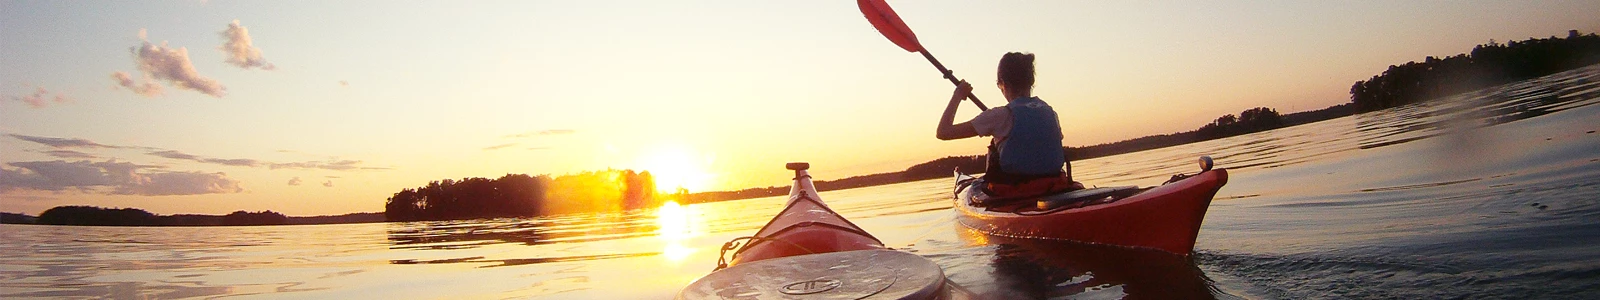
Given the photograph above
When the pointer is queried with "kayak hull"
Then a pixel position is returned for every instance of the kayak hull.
(1166, 217)
(810, 251)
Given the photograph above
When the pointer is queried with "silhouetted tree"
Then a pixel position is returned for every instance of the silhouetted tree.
(243, 218)
(1487, 65)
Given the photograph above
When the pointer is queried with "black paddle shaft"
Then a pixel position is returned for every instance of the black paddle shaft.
(948, 74)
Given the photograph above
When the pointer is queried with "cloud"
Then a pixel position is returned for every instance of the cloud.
(334, 165)
(328, 184)
(344, 83)
(112, 177)
(62, 142)
(339, 165)
(237, 162)
(342, 165)
(29, 198)
(240, 51)
(175, 155)
(147, 89)
(181, 183)
(294, 181)
(41, 98)
(68, 154)
(173, 66)
(499, 146)
(543, 133)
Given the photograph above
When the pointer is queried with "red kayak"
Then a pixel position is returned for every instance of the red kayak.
(809, 251)
(1165, 217)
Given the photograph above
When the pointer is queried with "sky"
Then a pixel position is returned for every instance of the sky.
(329, 107)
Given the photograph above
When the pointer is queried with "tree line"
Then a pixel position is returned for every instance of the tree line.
(1487, 65)
(98, 216)
(521, 195)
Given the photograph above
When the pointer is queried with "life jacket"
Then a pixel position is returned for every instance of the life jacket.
(1032, 149)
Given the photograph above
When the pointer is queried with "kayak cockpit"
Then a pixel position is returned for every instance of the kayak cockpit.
(971, 190)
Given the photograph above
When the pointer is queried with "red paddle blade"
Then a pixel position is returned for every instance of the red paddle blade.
(889, 24)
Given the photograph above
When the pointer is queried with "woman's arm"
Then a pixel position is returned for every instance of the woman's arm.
(947, 130)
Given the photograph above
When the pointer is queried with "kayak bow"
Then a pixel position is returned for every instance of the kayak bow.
(810, 251)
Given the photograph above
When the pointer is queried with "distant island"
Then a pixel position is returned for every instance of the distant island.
(97, 216)
(519, 195)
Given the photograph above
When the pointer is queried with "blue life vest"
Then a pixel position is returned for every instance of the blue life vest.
(1033, 146)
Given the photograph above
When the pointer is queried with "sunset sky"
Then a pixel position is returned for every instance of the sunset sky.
(329, 107)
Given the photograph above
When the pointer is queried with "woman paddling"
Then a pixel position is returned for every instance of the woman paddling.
(1025, 155)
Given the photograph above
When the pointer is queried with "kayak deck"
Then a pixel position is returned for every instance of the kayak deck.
(805, 226)
(810, 251)
(861, 274)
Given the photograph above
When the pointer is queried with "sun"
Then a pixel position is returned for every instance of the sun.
(675, 167)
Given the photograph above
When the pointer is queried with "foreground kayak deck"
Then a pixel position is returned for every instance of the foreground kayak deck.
(808, 251)
(860, 274)
(1165, 217)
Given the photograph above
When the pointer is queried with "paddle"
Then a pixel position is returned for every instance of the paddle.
(890, 25)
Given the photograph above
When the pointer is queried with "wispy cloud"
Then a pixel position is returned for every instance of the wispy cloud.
(339, 165)
(68, 154)
(172, 65)
(531, 134)
(496, 147)
(294, 181)
(543, 133)
(41, 98)
(61, 142)
(112, 177)
(344, 83)
(29, 198)
(238, 162)
(332, 165)
(328, 184)
(147, 88)
(241, 52)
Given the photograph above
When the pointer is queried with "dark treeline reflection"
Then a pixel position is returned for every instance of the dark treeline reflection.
(1487, 65)
(521, 195)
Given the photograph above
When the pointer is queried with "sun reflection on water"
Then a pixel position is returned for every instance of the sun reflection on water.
(676, 224)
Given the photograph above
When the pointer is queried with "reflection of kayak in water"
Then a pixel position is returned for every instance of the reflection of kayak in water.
(1049, 269)
(1165, 217)
(809, 251)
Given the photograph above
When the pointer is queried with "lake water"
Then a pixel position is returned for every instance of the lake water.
(1487, 195)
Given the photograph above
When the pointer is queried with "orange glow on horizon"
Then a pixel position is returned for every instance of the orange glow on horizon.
(678, 167)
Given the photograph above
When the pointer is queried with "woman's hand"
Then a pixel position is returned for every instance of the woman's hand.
(949, 131)
(963, 91)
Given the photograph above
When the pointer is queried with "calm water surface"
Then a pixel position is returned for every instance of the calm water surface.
(1494, 194)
